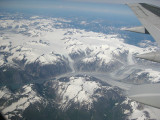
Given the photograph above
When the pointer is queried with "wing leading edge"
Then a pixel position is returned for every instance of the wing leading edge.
(149, 16)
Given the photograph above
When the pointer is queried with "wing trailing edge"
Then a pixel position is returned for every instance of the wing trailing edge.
(146, 94)
(152, 56)
(149, 16)
(139, 29)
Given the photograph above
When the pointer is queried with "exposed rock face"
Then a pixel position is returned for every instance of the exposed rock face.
(33, 51)
(76, 97)
(39, 70)
(13, 103)
(81, 91)
(33, 71)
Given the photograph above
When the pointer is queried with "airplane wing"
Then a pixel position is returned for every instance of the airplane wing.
(147, 94)
(149, 16)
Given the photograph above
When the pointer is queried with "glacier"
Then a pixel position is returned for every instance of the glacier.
(38, 49)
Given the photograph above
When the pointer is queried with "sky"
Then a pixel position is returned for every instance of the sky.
(99, 6)
(83, 6)
(115, 13)
(44, 3)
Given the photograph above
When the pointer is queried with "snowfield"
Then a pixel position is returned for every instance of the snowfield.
(153, 75)
(23, 99)
(78, 89)
(138, 111)
(38, 42)
(39, 38)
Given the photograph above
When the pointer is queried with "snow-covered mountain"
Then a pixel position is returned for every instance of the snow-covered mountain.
(14, 103)
(35, 44)
(83, 96)
(38, 56)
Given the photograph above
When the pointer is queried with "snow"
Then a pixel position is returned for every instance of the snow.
(50, 58)
(90, 87)
(82, 96)
(136, 113)
(139, 113)
(72, 91)
(1, 60)
(42, 41)
(34, 17)
(154, 76)
(28, 96)
(78, 89)
(4, 92)
(83, 23)
(130, 59)
(27, 89)
(89, 60)
(105, 58)
(14, 105)
(126, 111)
(41, 38)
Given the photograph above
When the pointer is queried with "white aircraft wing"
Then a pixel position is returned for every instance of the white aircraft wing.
(149, 16)
(148, 94)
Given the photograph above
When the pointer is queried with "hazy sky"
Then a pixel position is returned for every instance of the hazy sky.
(71, 5)
(47, 2)
(103, 6)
